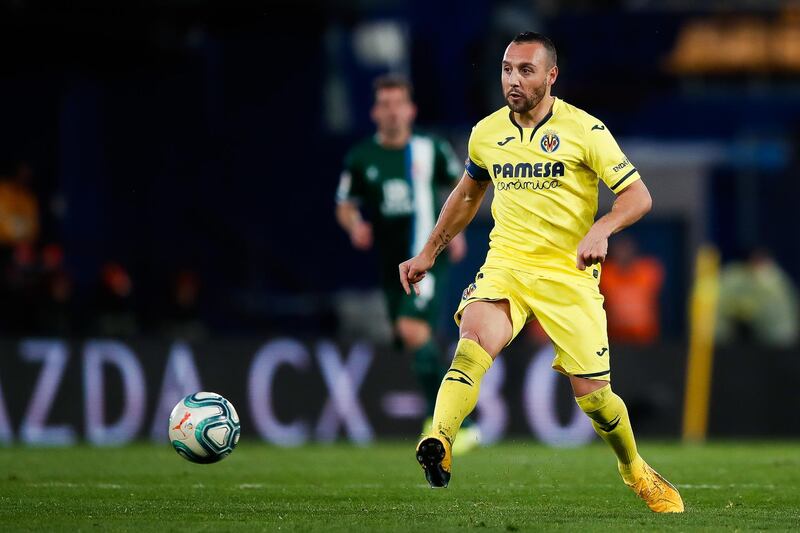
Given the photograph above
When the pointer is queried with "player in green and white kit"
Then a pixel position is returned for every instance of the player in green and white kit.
(395, 176)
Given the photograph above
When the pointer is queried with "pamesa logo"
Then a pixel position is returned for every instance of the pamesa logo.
(549, 169)
(529, 170)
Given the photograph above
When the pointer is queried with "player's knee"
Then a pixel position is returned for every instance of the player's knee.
(488, 344)
(601, 405)
(583, 386)
(488, 324)
(473, 336)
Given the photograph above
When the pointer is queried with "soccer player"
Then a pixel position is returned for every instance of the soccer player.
(396, 175)
(544, 158)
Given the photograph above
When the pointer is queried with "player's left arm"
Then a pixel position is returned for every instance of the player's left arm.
(632, 203)
(604, 156)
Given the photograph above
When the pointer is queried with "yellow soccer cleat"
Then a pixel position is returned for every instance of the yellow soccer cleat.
(433, 455)
(658, 493)
(468, 439)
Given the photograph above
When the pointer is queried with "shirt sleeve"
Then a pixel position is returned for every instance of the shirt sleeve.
(604, 156)
(475, 166)
(351, 182)
(448, 167)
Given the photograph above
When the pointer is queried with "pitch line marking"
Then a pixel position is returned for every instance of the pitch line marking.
(729, 486)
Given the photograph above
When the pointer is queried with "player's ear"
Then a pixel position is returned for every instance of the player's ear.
(552, 75)
(413, 111)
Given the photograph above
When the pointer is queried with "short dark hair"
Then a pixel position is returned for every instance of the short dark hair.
(393, 81)
(544, 40)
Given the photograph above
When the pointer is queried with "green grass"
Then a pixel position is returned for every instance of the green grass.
(510, 487)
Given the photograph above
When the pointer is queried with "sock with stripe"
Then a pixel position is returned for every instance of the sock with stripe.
(610, 420)
(458, 393)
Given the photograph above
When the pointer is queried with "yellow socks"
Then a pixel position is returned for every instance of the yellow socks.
(610, 420)
(458, 393)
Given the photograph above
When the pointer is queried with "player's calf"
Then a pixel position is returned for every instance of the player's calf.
(610, 420)
(458, 394)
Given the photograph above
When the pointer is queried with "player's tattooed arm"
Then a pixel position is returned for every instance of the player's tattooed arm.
(483, 185)
(440, 241)
(458, 211)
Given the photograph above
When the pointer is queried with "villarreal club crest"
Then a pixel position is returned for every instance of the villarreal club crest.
(550, 141)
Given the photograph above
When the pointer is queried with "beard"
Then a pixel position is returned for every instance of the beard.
(529, 102)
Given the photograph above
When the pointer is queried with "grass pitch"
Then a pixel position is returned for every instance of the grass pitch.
(510, 487)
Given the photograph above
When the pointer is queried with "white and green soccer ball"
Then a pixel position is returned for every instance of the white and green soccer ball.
(204, 428)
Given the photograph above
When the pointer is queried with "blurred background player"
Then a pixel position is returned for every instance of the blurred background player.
(395, 176)
(757, 302)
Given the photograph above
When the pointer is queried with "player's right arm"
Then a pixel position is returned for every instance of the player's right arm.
(348, 215)
(457, 213)
(349, 194)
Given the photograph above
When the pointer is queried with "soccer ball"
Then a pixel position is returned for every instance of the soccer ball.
(204, 428)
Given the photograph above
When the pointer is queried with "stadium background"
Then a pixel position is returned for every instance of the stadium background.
(184, 158)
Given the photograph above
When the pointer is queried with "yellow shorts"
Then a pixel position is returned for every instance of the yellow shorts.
(570, 312)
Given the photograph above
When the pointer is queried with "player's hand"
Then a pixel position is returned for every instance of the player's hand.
(361, 235)
(457, 249)
(593, 248)
(413, 271)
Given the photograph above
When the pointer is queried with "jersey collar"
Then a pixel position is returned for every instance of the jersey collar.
(536, 128)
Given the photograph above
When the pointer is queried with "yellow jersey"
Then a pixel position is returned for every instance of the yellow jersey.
(545, 180)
